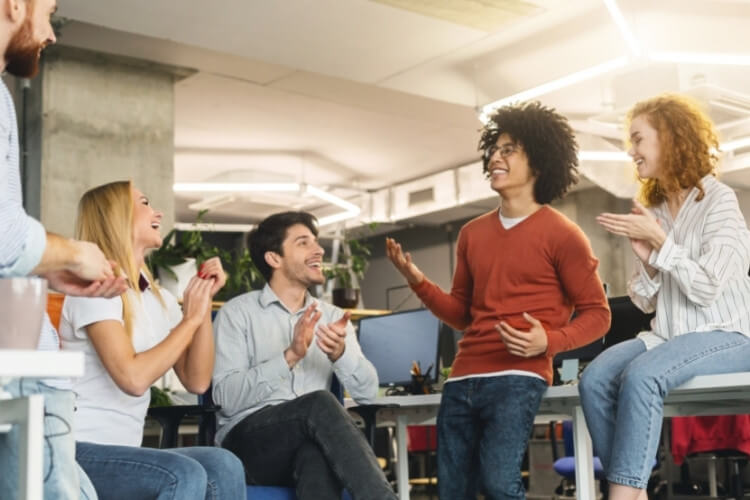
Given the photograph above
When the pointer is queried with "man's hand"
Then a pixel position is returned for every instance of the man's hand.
(524, 344)
(332, 337)
(89, 263)
(303, 335)
(403, 262)
(68, 283)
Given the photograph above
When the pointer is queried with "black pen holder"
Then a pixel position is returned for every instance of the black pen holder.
(420, 385)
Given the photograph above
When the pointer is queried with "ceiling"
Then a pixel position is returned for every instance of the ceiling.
(376, 101)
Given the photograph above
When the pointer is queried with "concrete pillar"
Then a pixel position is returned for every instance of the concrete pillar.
(93, 118)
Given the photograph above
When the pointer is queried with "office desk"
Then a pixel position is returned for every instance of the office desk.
(28, 412)
(705, 395)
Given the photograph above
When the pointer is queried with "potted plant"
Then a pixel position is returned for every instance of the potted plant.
(242, 275)
(176, 261)
(352, 263)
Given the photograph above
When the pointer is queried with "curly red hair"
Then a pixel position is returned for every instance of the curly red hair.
(688, 143)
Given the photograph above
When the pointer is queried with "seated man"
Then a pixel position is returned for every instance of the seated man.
(272, 381)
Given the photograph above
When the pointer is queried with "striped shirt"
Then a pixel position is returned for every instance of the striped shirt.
(702, 281)
(22, 238)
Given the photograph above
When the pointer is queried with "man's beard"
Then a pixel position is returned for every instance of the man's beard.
(22, 54)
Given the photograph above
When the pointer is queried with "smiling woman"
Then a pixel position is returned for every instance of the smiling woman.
(129, 342)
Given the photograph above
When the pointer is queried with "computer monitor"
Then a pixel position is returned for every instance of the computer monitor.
(392, 342)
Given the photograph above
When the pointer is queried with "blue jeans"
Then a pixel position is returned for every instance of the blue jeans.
(484, 426)
(63, 478)
(194, 473)
(623, 391)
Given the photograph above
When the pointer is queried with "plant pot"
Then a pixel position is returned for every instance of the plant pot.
(184, 272)
(346, 298)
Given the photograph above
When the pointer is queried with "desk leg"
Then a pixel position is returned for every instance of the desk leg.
(585, 485)
(402, 474)
(28, 413)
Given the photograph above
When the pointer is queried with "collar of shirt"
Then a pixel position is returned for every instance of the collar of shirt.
(268, 297)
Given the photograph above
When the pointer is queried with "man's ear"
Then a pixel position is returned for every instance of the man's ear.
(15, 10)
(272, 259)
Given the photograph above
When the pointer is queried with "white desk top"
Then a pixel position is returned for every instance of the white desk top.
(561, 398)
(43, 364)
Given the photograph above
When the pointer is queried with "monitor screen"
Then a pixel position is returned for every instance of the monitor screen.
(393, 341)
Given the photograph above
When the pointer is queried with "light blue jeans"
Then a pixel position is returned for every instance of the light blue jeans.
(623, 390)
(192, 473)
(63, 479)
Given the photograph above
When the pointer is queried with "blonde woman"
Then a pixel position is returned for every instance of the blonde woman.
(692, 250)
(129, 342)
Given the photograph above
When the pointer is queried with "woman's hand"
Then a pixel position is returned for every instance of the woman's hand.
(196, 301)
(211, 270)
(639, 224)
(403, 262)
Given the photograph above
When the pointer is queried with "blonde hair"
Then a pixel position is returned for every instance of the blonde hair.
(687, 142)
(105, 217)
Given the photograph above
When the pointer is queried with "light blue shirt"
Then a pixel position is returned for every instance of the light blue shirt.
(22, 238)
(252, 331)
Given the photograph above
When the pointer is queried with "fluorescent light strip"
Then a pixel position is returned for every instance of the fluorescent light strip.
(351, 210)
(618, 156)
(217, 228)
(335, 200)
(622, 25)
(735, 144)
(702, 58)
(234, 187)
(560, 83)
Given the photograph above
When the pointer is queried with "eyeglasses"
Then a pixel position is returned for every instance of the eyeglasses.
(505, 150)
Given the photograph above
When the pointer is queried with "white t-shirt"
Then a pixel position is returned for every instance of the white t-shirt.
(105, 414)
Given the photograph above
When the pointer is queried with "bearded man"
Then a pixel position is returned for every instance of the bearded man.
(72, 267)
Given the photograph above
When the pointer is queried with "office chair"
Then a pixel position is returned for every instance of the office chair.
(566, 466)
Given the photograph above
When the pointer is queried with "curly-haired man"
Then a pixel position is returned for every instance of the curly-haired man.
(521, 270)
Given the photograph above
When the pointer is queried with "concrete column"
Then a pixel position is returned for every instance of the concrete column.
(93, 118)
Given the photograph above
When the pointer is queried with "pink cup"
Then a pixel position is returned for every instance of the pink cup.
(23, 302)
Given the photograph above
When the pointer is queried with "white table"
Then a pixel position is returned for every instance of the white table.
(28, 412)
(705, 395)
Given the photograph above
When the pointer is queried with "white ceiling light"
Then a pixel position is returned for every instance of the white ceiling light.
(736, 144)
(350, 209)
(622, 25)
(618, 156)
(218, 228)
(702, 58)
(545, 88)
(234, 187)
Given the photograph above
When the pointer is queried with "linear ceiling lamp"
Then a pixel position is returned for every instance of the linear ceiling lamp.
(350, 209)
(735, 144)
(622, 25)
(712, 58)
(551, 86)
(217, 228)
(617, 156)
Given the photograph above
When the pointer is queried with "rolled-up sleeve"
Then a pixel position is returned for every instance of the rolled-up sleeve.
(20, 257)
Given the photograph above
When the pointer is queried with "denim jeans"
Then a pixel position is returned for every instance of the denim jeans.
(193, 473)
(312, 444)
(623, 390)
(484, 425)
(63, 478)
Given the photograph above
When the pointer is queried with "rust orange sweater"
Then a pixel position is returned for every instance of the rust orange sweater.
(543, 266)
